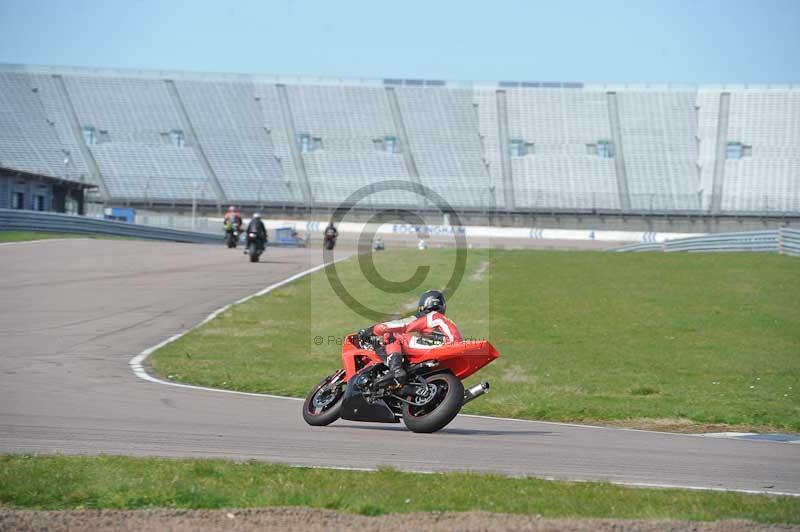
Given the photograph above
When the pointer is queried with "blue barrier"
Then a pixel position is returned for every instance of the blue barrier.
(287, 236)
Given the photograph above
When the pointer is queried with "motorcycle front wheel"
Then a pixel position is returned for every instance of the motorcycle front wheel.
(438, 411)
(324, 403)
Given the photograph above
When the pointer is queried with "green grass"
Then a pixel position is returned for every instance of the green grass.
(24, 236)
(59, 482)
(584, 336)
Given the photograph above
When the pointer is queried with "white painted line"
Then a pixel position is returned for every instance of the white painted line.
(40, 240)
(560, 479)
(583, 426)
(728, 434)
(578, 425)
(137, 362)
(704, 488)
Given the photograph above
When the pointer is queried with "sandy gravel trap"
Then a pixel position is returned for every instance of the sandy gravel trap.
(302, 519)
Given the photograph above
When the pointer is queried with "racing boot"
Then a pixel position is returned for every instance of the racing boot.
(395, 363)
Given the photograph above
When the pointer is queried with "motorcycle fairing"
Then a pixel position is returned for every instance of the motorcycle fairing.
(356, 408)
(462, 358)
(355, 358)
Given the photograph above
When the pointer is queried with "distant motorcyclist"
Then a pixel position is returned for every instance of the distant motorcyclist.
(256, 234)
(233, 219)
(232, 224)
(430, 322)
(331, 234)
(256, 225)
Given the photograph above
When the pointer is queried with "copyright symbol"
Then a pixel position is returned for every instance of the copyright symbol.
(365, 258)
(318, 340)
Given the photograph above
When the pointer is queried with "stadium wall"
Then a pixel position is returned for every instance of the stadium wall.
(662, 222)
(471, 232)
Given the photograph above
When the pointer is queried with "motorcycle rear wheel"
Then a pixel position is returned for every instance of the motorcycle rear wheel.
(253, 252)
(436, 414)
(325, 410)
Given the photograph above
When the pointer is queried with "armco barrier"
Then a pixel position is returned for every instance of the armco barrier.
(782, 240)
(763, 241)
(637, 248)
(19, 220)
(790, 242)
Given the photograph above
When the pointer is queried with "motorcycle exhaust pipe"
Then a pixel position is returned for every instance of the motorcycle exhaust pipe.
(475, 392)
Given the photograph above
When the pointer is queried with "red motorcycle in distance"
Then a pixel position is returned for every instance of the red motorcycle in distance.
(431, 397)
(231, 236)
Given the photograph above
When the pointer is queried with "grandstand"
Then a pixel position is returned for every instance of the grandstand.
(553, 167)
(29, 141)
(342, 126)
(172, 139)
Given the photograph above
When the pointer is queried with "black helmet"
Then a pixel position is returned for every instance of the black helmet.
(431, 300)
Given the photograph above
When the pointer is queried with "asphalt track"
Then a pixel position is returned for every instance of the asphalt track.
(75, 312)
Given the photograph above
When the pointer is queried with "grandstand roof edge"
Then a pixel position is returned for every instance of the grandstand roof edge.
(357, 81)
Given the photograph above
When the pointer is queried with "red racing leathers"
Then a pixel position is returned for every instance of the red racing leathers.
(234, 219)
(398, 337)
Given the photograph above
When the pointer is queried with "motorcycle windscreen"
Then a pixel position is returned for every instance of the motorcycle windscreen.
(356, 408)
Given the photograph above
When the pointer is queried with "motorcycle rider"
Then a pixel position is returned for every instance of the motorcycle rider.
(256, 226)
(331, 233)
(232, 219)
(430, 322)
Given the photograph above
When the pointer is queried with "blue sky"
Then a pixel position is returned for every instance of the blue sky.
(636, 41)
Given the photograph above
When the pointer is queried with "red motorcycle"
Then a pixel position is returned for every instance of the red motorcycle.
(431, 397)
